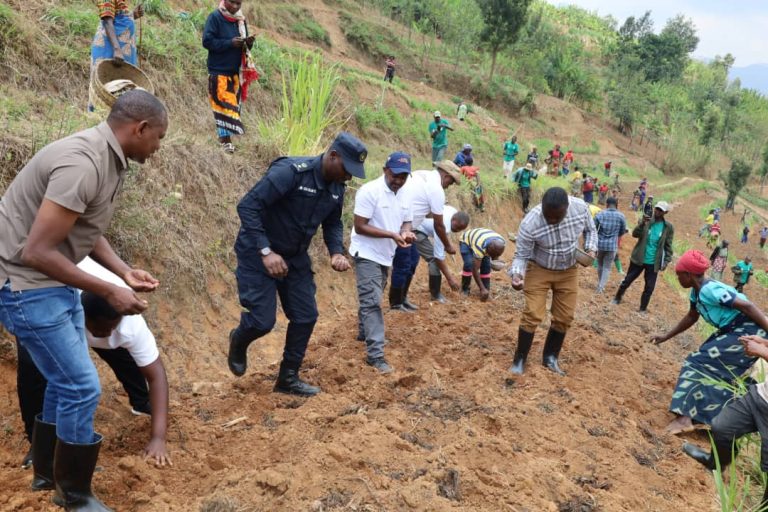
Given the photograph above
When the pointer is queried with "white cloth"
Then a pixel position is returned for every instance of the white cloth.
(132, 333)
(424, 194)
(384, 210)
(428, 228)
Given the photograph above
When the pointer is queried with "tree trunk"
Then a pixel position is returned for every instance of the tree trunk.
(494, 53)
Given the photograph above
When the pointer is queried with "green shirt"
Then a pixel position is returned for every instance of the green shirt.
(523, 177)
(441, 139)
(654, 235)
(746, 268)
(511, 149)
(462, 112)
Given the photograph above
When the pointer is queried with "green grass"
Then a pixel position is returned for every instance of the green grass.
(72, 20)
(376, 40)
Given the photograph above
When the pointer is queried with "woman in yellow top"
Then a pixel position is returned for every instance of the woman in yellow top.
(115, 37)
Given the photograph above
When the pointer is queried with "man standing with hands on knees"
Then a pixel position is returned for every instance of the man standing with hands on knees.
(382, 223)
(278, 218)
(545, 260)
(52, 216)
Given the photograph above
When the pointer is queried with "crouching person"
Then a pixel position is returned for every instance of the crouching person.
(478, 247)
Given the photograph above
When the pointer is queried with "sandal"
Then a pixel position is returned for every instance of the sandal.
(228, 147)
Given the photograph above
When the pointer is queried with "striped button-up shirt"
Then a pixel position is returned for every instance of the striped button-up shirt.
(552, 246)
(611, 224)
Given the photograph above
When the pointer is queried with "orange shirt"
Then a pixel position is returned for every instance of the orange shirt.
(109, 9)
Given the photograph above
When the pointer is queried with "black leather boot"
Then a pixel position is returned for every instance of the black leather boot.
(524, 342)
(43, 447)
(408, 304)
(239, 340)
(466, 282)
(288, 382)
(552, 351)
(73, 466)
(435, 283)
(396, 300)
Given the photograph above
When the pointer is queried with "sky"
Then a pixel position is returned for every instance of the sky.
(739, 27)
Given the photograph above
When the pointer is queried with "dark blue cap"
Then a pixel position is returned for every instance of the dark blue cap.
(399, 163)
(353, 153)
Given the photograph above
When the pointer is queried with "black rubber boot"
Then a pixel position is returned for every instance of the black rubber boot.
(619, 296)
(552, 351)
(524, 342)
(466, 282)
(408, 304)
(237, 359)
(43, 447)
(486, 282)
(644, 301)
(288, 382)
(396, 300)
(703, 457)
(435, 283)
(73, 466)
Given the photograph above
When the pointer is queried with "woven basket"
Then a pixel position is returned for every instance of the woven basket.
(106, 71)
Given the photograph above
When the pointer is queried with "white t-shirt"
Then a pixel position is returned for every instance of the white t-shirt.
(428, 228)
(424, 193)
(132, 333)
(384, 210)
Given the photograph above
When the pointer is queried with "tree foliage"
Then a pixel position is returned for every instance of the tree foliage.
(735, 179)
(503, 21)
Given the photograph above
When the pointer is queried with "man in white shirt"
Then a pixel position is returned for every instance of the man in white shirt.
(431, 248)
(127, 345)
(382, 223)
(424, 193)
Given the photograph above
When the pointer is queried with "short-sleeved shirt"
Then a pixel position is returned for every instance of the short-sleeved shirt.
(424, 194)
(478, 239)
(132, 333)
(710, 219)
(441, 139)
(384, 210)
(611, 225)
(764, 233)
(82, 173)
(111, 8)
(428, 228)
(523, 177)
(654, 235)
(714, 302)
(511, 149)
(746, 268)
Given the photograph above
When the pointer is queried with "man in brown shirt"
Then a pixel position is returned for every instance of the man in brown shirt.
(52, 216)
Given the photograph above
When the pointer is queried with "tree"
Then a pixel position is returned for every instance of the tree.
(635, 28)
(503, 21)
(764, 169)
(735, 179)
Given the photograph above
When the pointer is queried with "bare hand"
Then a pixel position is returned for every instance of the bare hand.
(249, 41)
(275, 265)
(140, 280)
(118, 58)
(138, 12)
(591, 253)
(238, 42)
(156, 452)
(658, 339)
(754, 346)
(517, 282)
(484, 294)
(646, 219)
(339, 263)
(125, 301)
(400, 240)
(453, 284)
(409, 236)
(450, 249)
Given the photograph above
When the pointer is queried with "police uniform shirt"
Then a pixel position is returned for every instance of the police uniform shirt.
(285, 208)
(384, 210)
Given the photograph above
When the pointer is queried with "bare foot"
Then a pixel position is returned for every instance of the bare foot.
(680, 425)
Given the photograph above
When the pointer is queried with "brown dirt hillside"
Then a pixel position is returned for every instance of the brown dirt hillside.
(449, 430)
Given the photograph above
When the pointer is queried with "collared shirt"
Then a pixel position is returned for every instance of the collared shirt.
(714, 302)
(428, 228)
(424, 194)
(552, 246)
(384, 210)
(132, 333)
(82, 173)
(610, 225)
(511, 149)
(478, 239)
(441, 138)
(285, 208)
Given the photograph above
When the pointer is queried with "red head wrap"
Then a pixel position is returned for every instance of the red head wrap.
(692, 261)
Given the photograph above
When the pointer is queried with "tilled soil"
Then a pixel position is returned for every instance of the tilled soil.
(449, 430)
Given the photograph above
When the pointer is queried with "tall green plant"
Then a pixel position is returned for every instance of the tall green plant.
(308, 106)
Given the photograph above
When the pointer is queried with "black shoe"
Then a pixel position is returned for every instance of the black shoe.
(237, 359)
(42, 450)
(702, 457)
(73, 467)
(524, 342)
(552, 348)
(26, 462)
(288, 382)
(380, 364)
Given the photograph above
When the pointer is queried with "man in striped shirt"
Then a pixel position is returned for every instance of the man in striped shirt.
(545, 260)
(478, 247)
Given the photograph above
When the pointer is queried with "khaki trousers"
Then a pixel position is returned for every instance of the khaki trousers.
(565, 289)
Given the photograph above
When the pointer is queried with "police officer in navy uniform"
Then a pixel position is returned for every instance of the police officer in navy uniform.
(278, 218)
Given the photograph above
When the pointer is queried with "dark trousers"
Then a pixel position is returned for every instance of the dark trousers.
(404, 265)
(525, 197)
(389, 75)
(31, 384)
(633, 272)
(740, 417)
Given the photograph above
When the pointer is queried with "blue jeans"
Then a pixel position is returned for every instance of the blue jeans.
(468, 257)
(50, 324)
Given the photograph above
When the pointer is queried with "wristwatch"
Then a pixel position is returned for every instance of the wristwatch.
(266, 251)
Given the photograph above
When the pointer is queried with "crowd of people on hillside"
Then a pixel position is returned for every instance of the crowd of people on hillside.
(65, 289)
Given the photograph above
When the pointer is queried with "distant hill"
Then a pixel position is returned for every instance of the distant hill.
(752, 77)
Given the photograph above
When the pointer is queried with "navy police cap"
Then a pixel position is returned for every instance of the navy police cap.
(353, 153)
